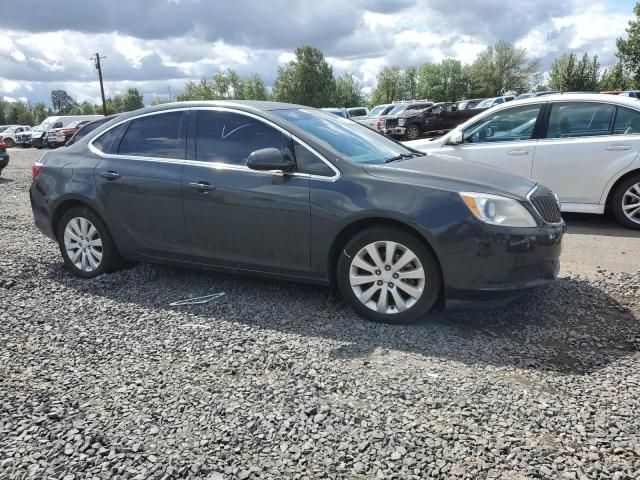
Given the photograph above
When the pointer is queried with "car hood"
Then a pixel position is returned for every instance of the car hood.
(451, 173)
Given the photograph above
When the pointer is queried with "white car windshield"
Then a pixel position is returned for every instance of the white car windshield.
(377, 111)
(485, 103)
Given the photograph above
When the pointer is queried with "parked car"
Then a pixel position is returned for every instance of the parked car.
(522, 96)
(9, 134)
(39, 138)
(376, 112)
(57, 137)
(584, 146)
(631, 93)
(4, 127)
(354, 113)
(612, 92)
(392, 127)
(88, 128)
(468, 104)
(438, 118)
(4, 156)
(292, 192)
(492, 102)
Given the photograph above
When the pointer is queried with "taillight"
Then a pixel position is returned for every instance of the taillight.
(35, 170)
(379, 124)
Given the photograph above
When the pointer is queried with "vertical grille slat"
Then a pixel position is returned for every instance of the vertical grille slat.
(544, 201)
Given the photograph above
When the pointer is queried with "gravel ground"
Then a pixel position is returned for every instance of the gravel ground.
(103, 379)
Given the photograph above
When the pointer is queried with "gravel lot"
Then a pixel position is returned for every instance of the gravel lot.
(103, 379)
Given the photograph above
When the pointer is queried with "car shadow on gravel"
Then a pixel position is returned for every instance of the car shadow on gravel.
(6, 180)
(571, 327)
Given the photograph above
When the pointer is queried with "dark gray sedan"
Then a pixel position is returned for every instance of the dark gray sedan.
(297, 193)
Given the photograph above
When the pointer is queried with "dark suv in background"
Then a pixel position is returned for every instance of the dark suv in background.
(296, 193)
(436, 119)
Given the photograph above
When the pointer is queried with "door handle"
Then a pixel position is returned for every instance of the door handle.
(202, 187)
(518, 152)
(110, 175)
(617, 148)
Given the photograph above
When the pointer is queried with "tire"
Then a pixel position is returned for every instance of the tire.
(348, 271)
(76, 218)
(626, 195)
(10, 143)
(412, 132)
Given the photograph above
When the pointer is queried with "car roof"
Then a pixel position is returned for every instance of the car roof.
(577, 97)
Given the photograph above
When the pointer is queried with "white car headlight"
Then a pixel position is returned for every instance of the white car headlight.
(401, 122)
(498, 210)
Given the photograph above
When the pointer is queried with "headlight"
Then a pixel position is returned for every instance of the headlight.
(497, 210)
(401, 122)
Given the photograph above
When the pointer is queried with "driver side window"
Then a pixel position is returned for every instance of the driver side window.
(508, 125)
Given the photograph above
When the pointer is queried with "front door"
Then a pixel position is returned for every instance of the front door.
(235, 216)
(585, 145)
(138, 181)
(503, 139)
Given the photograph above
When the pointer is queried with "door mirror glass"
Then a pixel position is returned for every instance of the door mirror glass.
(455, 138)
(269, 159)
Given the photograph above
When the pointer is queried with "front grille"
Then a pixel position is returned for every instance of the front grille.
(545, 203)
(391, 123)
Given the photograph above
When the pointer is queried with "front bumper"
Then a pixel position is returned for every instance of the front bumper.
(38, 141)
(498, 263)
(394, 131)
(4, 160)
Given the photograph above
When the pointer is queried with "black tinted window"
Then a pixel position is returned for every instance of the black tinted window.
(627, 122)
(153, 136)
(230, 137)
(308, 162)
(104, 142)
(580, 119)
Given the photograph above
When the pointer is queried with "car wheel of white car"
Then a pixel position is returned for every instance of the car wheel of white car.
(10, 143)
(388, 276)
(626, 202)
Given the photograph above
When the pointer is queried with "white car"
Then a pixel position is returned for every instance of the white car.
(8, 135)
(583, 146)
(371, 120)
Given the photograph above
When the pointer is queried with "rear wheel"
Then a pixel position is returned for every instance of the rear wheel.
(388, 276)
(412, 132)
(10, 143)
(86, 245)
(626, 202)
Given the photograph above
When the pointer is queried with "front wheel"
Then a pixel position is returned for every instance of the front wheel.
(626, 202)
(86, 245)
(412, 132)
(10, 143)
(388, 276)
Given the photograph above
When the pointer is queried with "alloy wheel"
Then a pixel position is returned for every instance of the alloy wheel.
(631, 203)
(83, 244)
(387, 277)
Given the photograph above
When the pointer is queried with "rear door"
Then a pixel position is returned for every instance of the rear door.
(585, 144)
(504, 139)
(139, 183)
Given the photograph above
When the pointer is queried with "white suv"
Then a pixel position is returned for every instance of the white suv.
(583, 146)
(9, 134)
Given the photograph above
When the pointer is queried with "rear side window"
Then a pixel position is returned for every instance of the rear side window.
(357, 112)
(228, 137)
(104, 142)
(154, 136)
(575, 119)
(627, 122)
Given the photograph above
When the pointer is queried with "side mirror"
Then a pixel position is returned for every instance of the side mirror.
(489, 132)
(456, 138)
(269, 159)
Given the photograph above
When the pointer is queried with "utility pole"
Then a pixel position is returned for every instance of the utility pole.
(99, 68)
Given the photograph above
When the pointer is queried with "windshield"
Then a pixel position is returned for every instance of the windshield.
(10, 129)
(485, 103)
(44, 126)
(522, 96)
(377, 111)
(336, 111)
(353, 141)
(397, 109)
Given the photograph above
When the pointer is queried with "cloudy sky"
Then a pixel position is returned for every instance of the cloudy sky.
(157, 45)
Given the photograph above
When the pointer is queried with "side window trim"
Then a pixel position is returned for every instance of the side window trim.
(611, 128)
(543, 106)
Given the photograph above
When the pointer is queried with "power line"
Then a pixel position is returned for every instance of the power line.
(96, 61)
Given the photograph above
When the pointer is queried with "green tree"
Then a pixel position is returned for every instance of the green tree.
(444, 81)
(254, 89)
(616, 79)
(502, 68)
(132, 100)
(568, 74)
(3, 112)
(348, 92)
(39, 112)
(389, 86)
(629, 49)
(410, 83)
(307, 80)
(84, 108)
(19, 114)
(62, 102)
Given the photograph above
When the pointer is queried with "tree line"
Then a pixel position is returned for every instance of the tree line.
(309, 79)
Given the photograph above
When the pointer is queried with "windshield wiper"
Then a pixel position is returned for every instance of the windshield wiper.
(402, 156)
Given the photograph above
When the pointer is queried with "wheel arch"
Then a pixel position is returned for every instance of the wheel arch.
(65, 204)
(361, 224)
(615, 185)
